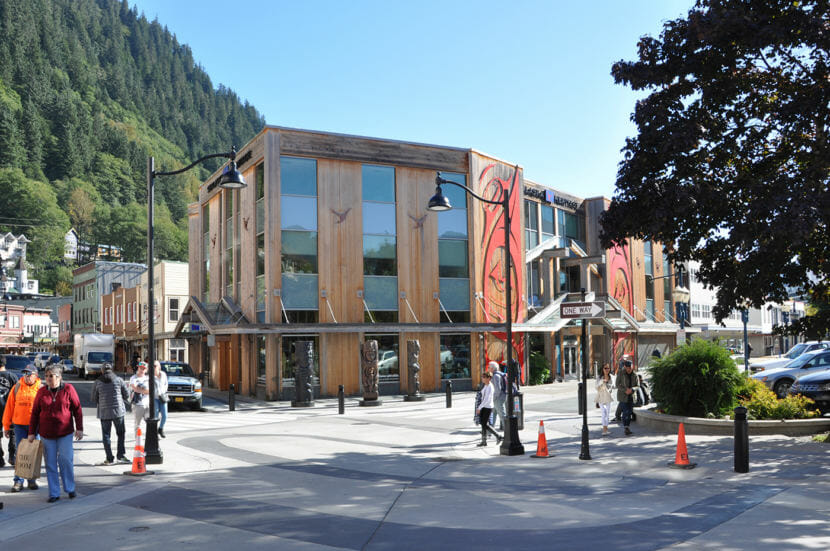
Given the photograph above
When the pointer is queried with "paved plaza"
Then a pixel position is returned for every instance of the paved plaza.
(408, 475)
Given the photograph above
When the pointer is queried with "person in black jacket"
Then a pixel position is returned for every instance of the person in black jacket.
(110, 393)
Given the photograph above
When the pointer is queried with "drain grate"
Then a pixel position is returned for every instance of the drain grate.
(442, 459)
(139, 529)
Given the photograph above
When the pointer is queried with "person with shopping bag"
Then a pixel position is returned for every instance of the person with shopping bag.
(56, 418)
(18, 412)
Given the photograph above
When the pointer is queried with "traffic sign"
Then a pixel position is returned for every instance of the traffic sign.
(582, 310)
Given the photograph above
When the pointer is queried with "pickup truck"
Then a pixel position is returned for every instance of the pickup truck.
(183, 387)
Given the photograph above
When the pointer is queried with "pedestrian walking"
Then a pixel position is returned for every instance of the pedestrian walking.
(110, 393)
(161, 397)
(140, 397)
(57, 418)
(499, 382)
(18, 413)
(7, 382)
(485, 409)
(604, 398)
(626, 382)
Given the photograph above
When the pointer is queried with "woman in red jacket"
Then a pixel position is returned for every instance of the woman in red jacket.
(56, 406)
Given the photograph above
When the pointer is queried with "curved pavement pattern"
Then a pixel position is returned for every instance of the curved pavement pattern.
(409, 476)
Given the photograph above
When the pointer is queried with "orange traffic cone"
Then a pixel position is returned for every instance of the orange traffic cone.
(542, 443)
(681, 459)
(139, 464)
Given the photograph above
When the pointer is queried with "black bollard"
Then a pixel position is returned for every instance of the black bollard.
(341, 400)
(741, 441)
(449, 393)
(231, 398)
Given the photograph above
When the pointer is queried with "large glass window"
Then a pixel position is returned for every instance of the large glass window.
(260, 359)
(298, 204)
(380, 256)
(388, 354)
(453, 256)
(454, 356)
(229, 241)
(260, 243)
(548, 222)
(572, 226)
(237, 243)
(533, 285)
(205, 252)
(648, 263)
(531, 225)
(667, 306)
(288, 362)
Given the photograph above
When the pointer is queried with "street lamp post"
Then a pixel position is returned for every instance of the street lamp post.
(511, 445)
(230, 179)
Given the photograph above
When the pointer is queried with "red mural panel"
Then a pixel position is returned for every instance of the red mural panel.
(492, 187)
(619, 287)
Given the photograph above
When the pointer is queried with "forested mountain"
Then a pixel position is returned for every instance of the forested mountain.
(88, 90)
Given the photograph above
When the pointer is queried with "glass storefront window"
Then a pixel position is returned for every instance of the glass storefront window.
(388, 356)
(288, 362)
(454, 356)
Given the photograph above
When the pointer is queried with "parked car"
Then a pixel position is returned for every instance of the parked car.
(387, 362)
(759, 364)
(41, 359)
(780, 379)
(68, 366)
(183, 387)
(445, 356)
(815, 386)
(16, 363)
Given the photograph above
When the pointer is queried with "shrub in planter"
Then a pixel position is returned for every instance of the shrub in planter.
(696, 379)
(539, 369)
(761, 403)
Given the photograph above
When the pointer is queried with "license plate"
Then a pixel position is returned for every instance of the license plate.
(179, 399)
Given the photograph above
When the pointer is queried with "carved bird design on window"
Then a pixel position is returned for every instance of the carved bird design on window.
(419, 222)
(341, 216)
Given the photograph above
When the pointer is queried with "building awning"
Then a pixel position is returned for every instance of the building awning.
(226, 318)
(548, 320)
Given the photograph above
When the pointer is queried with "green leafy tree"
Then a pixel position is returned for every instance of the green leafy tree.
(731, 161)
(31, 207)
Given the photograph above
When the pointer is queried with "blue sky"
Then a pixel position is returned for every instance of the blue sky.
(528, 82)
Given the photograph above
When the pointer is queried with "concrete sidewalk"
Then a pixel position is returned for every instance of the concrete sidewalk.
(407, 475)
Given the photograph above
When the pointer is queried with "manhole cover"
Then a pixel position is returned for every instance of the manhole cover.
(139, 529)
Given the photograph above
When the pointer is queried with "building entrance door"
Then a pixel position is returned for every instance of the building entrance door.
(570, 360)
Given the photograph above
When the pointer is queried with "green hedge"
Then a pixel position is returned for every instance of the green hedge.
(696, 380)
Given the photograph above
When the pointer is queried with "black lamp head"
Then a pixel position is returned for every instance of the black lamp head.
(232, 178)
(439, 202)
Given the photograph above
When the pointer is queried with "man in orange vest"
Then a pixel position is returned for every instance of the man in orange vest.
(18, 413)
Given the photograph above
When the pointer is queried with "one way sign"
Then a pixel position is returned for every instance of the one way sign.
(582, 310)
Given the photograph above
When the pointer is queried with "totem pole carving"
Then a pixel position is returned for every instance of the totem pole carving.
(303, 376)
(413, 371)
(369, 372)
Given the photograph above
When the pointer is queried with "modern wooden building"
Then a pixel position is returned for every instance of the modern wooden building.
(331, 241)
